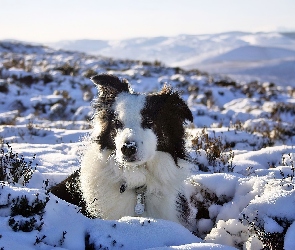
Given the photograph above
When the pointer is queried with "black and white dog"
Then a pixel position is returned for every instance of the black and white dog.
(135, 162)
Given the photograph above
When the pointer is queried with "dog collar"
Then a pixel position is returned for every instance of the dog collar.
(140, 195)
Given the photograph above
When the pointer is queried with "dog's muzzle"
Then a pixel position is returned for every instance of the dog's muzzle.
(129, 150)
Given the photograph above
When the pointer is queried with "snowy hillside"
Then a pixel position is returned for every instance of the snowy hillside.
(241, 146)
(243, 55)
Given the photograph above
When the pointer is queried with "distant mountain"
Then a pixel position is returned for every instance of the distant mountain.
(255, 62)
(225, 53)
(23, 47)
(84, 45)
(253, 54)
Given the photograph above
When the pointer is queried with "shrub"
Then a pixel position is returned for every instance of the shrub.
(202, 200)
(274, 240)
(226, 83)
(157, 63)
(89, 73)
(218, 154)
(178, 70)
(27, 80)
(27, 216)
(283, 108)
(14, 168)
(271, 131)
(22, 206)
(288, 178)
(14, 62)
(67, 69)
(4, 86)
(47, 78)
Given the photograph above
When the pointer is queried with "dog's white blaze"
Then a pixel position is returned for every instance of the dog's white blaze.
(128, 110)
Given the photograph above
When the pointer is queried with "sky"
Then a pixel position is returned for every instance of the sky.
(56, 20)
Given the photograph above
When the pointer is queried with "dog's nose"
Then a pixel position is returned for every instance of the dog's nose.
(129, 148)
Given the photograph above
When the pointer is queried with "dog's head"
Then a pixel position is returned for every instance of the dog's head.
(135, 126)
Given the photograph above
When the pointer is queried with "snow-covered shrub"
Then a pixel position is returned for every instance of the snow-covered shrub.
(282, 107)
(3, 86)
(14, 168)
(64, 93)
(25, 212)
(68, 69)
(57, 110)
(27, 80)
(288, 160)
(270, 232)
(8, 118)
(208, 198)
(14, 61)
(32, 130)
(83, 113)
(27, 215)
(89, 72)
(225, 83)
(218, 155)
(52, 106)
(87, 92)
(245, 212)
(265, 91)
(204, 98)
(46, 78)
(231, 232)
(207, 203)
(18, 106)
(271, 130)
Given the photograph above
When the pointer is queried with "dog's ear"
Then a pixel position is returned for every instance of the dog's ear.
(110, 85)
(177, 104)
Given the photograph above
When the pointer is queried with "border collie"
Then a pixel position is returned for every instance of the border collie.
(135, 161)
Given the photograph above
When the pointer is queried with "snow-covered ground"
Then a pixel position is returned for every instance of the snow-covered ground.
(241, 145)
(245, 56)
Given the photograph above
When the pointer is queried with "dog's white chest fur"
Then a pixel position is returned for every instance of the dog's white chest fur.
(101, 179)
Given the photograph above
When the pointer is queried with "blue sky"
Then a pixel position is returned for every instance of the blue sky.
(54, 20)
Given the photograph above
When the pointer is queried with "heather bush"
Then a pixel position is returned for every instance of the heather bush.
(14, 168)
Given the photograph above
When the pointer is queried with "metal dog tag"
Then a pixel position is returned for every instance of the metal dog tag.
(139, 207)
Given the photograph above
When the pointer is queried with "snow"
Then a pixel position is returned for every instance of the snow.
(241, 183)
(147, 233)
(289, 238)
(193, 246)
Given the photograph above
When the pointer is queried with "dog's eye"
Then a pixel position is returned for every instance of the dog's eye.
(148, 123)
(118, 124)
